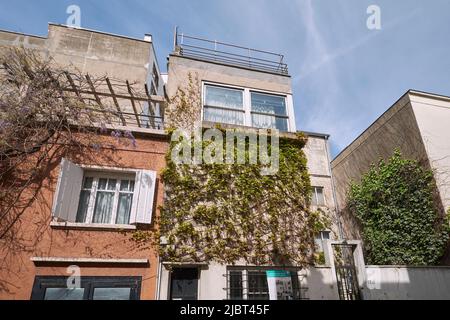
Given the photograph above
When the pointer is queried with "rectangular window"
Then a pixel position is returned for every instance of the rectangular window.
(257, 285)
(91, 288)
(245, 107)
(251, 284)
(184, 284)
(155, 76)
(223, 105)
(323, 235)
(317, 197)
(269, 111)
(105, 200)
(103, 196)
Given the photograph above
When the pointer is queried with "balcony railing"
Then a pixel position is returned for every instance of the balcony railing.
(230, 54)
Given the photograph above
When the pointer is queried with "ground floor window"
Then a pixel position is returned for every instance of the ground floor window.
(251, 284)
(91, 288)
(184, 284)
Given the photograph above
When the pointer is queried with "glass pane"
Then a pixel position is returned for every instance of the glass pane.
(325, 235)
(112, 293)
(83, 206)
(64, 294)
(112, 184)
(87, 184)
(103, 207)
(127, 185)
(257, 286)
(236, 285)
(223, 116)
(320, 198)
(268, 104)
(224, 97)
(184, 284)
(265, 121)
(124, 185)
(102, 184)
(124, 208)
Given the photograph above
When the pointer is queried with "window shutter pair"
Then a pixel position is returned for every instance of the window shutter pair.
(67, 195)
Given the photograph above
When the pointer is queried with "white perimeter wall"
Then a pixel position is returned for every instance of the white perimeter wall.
(407, 283)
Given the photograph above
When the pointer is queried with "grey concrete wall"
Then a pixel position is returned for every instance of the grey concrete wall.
(319, 168)
(396, 128)
(100, 54)
(97, 53)
(407, 283)
(179, 67)
(8, 38)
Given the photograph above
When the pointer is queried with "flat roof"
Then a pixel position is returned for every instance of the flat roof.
(409, 92)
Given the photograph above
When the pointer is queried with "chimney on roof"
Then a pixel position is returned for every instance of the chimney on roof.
(148, 37)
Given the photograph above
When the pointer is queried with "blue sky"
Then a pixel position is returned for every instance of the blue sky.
(344, 75)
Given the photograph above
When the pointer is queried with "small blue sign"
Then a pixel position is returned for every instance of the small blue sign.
(278, 274)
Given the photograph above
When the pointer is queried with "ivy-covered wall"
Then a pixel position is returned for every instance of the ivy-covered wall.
(232, 212)
(400, 222)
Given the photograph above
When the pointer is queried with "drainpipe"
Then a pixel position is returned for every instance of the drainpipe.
(333, 188)
(158, 279)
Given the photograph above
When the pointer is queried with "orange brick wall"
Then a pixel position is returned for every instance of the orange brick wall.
(33, 235)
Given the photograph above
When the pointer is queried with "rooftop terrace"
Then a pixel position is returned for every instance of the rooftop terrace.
(228, 54)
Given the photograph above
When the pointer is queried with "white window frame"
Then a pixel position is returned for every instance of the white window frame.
(93, 196)
(247, 103)
(316, 198)
(68, 191)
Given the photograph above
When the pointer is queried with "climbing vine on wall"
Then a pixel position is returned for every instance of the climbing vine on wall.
(400, 222)
(232, 212)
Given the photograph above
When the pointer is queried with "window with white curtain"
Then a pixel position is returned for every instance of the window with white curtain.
(269, 111)
(103, 195)
(242, 106)
(223, 105)
(105, 199)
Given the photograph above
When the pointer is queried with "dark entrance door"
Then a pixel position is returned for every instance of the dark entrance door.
(184, 284)
(347, 280)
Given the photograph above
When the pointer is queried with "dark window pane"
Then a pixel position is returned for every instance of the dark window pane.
(266, 103)
(102, 184)
(64, 294)
(112, 293)
(112, 184)
(235, 285)
(184, 284)
(87, 184)
(257, 285)
(83, 204)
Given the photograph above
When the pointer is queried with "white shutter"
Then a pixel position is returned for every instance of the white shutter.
(145, 192)
(65, 201)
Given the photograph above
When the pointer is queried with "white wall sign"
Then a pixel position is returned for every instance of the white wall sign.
(280, 285)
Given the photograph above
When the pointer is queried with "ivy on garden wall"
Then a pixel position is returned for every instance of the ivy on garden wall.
(400, 222)
(233, 212)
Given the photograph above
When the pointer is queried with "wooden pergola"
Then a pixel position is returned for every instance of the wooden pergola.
(132, 104)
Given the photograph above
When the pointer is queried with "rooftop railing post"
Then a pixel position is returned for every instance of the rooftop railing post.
(175, 39)
(230, 54)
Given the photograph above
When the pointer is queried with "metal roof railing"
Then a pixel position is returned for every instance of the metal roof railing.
(230, 54)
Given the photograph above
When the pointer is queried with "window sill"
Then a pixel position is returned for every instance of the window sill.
(90, 226)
